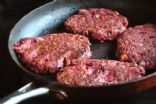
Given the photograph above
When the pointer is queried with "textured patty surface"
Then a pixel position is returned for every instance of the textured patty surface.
(98, 23)
(46, 53)
(92, 72)
(138, 45)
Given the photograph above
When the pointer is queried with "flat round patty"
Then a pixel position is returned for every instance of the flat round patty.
(98, 23)
(49, 52)
(92, 72)
(138, 45)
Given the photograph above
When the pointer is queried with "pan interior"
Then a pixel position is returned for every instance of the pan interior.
(50, 17)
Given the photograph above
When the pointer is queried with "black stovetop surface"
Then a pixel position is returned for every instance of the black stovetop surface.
(11, 79)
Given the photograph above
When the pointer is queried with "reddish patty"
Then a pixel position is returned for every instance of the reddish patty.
(46, 53)
(88, 72)
(98, 23)
(138, 45)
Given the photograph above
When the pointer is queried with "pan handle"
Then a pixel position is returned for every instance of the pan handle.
(29, 91)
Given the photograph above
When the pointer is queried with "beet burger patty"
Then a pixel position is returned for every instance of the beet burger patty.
(88, 72)
(46, 53)
(138, 45)
(98, 23)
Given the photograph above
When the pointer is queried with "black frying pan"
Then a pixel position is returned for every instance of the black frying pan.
(49, 19)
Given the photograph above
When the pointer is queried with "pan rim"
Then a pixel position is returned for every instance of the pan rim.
(56, 82)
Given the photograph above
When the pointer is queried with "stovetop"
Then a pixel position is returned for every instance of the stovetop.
(11, 78)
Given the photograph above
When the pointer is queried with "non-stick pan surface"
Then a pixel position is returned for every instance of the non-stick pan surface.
(49, 19)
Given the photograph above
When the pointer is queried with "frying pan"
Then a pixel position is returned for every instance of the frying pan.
(49, 18)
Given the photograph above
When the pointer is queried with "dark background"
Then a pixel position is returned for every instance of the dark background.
(11, 78)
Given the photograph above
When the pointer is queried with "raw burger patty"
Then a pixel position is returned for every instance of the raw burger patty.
(48, 52)
(138, 45)
(98, 23)
(88, 72)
